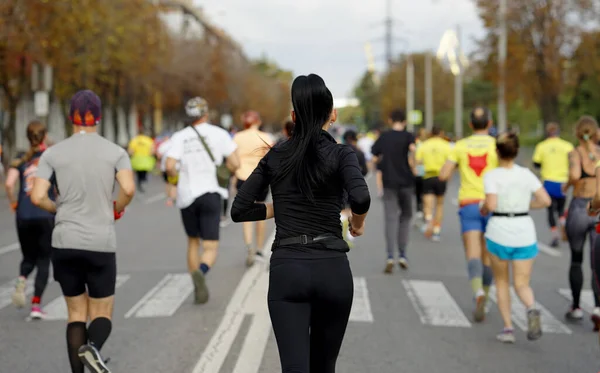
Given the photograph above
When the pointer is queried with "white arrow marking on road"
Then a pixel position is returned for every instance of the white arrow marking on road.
(361, 306)
(519, 314)
(57, 309)
(586, 301)
(434, 304)
(215, 353)
(9, 248)
(165, 298)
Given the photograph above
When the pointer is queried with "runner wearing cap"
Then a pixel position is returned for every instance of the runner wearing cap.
(200, 148)
(252, 145)
(85, 167)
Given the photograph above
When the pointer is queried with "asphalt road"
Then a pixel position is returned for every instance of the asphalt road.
(417, 321)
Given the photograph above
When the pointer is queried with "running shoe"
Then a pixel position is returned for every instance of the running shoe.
(436, 237)
(506, 336)
(389, 266)
(200, 289)
(555, 243)
(480, 303)
(18, 297)
(91, 358)
(402, 262)
(534, 325)
(37, 313)
(595, 317)
(574, 314)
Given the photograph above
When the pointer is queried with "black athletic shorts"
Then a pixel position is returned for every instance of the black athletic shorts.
(75, 269)
(433, 185)
(261, 198)
(165, 177)
(202, 218)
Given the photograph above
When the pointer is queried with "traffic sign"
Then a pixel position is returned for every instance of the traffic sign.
(415, 117)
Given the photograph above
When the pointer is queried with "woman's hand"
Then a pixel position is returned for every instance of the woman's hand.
(355, 229)
(483, 209)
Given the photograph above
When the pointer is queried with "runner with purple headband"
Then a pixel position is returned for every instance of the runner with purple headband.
(85, 167)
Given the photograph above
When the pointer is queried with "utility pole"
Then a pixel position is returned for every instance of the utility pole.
(458, 91)
(410, 92)
(389, 23)
(428, 92)
(502, 46)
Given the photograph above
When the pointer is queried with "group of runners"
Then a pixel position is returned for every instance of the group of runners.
(65, 212)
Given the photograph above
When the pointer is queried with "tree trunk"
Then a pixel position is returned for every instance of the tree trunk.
(115, 108)
(9, 134)
(549, 108)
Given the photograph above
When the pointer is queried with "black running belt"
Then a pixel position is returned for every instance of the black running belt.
(510, 214)
(302, 240)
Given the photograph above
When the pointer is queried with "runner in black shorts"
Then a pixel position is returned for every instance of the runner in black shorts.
(84, 239)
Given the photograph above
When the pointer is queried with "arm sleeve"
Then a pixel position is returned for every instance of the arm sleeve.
(244, 207)
(44, 168)
(123, 162)
(489, 184)
(175, 151)
(354, 182)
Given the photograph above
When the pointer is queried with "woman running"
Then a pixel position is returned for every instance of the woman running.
(310, 286)
(582, 162)
(593, 211)
(510, 234)
(34, 225)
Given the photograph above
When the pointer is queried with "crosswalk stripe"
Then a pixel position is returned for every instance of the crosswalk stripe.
(361, 305)
(550, 324)
(434, 304)
(7, 289)
(586, 301)
(57, 308)
(165, 298)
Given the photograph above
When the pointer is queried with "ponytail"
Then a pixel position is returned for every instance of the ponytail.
(36, 133)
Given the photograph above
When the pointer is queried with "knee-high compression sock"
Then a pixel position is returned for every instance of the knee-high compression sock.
(488, 278)
(76, 337)
(475, 268)
(98, 331)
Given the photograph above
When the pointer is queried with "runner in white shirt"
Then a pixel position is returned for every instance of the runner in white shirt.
(198, 192)
(510, 234)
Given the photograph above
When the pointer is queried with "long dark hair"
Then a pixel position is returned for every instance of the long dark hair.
(313, 103)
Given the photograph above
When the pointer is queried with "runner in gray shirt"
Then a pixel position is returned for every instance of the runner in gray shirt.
(85, 167)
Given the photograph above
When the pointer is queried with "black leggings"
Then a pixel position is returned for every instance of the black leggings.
(578, 226)
(556, 208)
(419, 193)
(309, 303)
(35, 238)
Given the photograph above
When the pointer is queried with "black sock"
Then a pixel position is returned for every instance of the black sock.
(76, 337)
(99, 330)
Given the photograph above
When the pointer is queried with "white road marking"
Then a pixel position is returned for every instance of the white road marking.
(156, 198)
(519, 314)
(434, 304)
(586, 301)
(361, 305)
(548, 250)
(57, 308)
(9, 248)
(215, 353)
(165, 298)
(255, 343)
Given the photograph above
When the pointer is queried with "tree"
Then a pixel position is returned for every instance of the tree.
(368, 95)
(539, 34)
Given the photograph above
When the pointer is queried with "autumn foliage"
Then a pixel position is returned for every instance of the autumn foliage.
(124, 50)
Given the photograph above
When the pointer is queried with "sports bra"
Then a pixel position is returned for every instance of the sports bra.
(584, 175)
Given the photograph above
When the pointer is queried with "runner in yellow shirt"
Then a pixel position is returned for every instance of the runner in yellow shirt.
(474, 156)
(551, 157)
(141, 149)
(432, 155)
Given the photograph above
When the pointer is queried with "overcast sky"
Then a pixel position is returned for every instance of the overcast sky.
(327, 37)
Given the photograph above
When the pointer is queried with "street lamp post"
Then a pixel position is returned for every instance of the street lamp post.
(502, 47)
